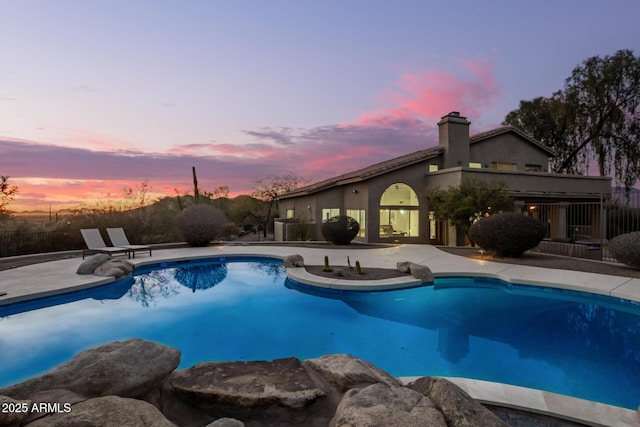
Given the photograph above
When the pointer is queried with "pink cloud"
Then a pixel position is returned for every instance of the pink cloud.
(427, 95)
(405, 121)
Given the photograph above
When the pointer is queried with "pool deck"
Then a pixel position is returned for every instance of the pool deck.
(56, 277)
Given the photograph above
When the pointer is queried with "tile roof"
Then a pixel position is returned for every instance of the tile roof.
(403, 161)
(369, 172)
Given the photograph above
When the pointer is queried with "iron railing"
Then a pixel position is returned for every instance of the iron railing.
(17, 242)
(583, 229)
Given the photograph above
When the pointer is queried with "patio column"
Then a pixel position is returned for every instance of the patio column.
(518, 205)
(562, 219)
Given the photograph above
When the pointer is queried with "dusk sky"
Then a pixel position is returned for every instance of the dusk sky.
(98, 96)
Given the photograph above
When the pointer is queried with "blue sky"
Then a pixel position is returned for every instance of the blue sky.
(96, 96)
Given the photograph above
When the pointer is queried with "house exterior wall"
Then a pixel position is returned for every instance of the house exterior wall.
(361, 191)
(530, 185)
(508, 148)
(413, 176)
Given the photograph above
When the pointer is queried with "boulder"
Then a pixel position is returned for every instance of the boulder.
(266, 394)
(459, 409)
(345, 372)
(13, 412)
(128, 368)
(384, 405)
(89, 265)
(106, 411)
(403, 266)
(294, 261)
(53, 400)
(421, 272)
(114, 268)
(282, 382)
(226, 422)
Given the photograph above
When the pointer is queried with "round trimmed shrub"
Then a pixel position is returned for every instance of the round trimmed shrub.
(200, 224)
(626, 248)
(507, 234)
(340, 230)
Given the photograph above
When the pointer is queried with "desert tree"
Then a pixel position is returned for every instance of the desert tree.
(471, 200)
(268, 191)
(7, 193)
(594, 118)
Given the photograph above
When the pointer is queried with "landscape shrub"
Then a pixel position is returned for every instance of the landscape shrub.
(300, 231)
(199, 224)
(340, 230)
(626, 248)
(507, 234)
(230, 231)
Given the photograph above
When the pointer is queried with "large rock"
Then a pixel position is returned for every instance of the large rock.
(403, 266)
(106, 411)
(89, 265)
(294, 261)
(48, 401)
(282, 382)
(459, 409)
(114, 268)
(226, 422)
(12, 411)
(421, 272)
(129, 368)
(384, 405)
(266, 394)
(345, 372)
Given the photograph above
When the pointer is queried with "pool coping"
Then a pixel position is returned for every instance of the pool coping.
(26, 283)
(543, 402)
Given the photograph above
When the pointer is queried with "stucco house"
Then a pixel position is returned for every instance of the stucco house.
(389, 199)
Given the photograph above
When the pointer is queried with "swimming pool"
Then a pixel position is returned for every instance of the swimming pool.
(566, 342)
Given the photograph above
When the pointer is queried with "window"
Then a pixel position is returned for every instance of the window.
(504, 166)
(330, 213)
(532, 168)
(475, 165)
(433, 168)
(399, 222)
(399, 212)
(291, 213)
(358, 215)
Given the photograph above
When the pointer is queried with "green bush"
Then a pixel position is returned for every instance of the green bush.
(200, 224)
(507, 234)
(340, 230)
(626, 248)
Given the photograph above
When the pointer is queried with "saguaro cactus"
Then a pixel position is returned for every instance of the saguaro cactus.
(326, 264)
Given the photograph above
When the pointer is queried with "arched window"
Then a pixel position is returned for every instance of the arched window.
(399, 212)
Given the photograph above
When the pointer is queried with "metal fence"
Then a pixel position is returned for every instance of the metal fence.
(583, 229)
(18, 242)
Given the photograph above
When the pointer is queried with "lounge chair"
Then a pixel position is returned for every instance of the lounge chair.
(95, 244)
(119, 238)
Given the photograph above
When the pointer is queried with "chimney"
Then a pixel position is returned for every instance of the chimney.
(454, 138)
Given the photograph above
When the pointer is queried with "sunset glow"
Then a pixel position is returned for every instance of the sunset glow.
(243, 93)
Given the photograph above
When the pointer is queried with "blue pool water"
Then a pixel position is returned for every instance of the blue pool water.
(565, 342)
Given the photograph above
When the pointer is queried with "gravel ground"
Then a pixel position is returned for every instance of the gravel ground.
(343, 272)
(537, 259)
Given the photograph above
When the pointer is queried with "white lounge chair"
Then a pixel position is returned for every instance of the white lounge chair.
(119, 238)
(95, 244)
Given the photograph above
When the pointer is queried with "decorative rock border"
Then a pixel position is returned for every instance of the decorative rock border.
(421, 275)
(334, 390)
